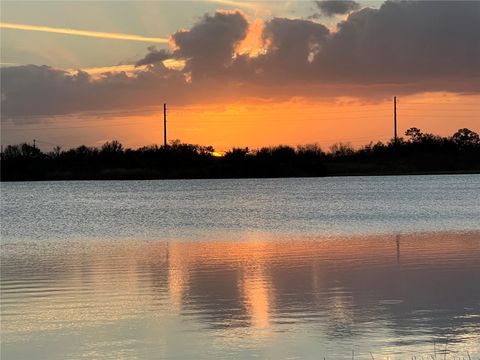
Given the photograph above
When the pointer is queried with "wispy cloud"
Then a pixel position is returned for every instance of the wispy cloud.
(88, 33)
(97, 71)
(239, 4)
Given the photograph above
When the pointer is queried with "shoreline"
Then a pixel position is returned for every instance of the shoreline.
(335, 174)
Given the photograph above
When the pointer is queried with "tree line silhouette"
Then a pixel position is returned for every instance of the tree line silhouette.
(417, 153)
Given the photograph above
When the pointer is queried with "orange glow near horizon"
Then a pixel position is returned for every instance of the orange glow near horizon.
(259, 123)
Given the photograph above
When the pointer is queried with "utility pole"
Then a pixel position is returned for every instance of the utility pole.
(34, 143)
(395, 119)
(165, 125)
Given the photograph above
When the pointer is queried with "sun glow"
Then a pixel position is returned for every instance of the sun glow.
(217, 153)
(253, 44)
(256, 123)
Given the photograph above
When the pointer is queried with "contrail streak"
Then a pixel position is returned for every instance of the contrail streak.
(239, 4)
(95, 34)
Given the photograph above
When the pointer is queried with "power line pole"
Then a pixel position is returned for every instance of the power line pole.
(165, 125)
(34, 143)
(395, 119)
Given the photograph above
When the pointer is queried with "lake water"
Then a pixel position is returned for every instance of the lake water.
(382, 267)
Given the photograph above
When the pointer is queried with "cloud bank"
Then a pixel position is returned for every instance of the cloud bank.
(400, 48)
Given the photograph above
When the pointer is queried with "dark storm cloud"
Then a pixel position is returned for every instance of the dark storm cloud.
(337, 7)
(401, 48)
(32, 90)
(410, 46)
(154, 56)
(292, 45)
(405, 42)
(209, 45)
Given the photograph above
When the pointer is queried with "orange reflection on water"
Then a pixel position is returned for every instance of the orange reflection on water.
(371, 289)
(257, 292)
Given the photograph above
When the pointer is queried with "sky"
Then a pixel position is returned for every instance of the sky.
(236, 73)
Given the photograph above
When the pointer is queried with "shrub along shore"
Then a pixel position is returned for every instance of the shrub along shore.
(417, 153)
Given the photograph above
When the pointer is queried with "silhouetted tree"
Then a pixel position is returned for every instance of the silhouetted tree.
(113, 147)
(236, 154)
(57, 151)
(24, 150)
(415, 134)
(423, 152)
(466, 137)
(341, 149)
(11, 152)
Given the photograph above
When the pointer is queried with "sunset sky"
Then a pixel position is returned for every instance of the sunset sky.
(236, 73)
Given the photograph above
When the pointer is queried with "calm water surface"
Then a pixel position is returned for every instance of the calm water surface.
(275, 268)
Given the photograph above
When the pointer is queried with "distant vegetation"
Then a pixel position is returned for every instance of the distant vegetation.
(417, 153)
